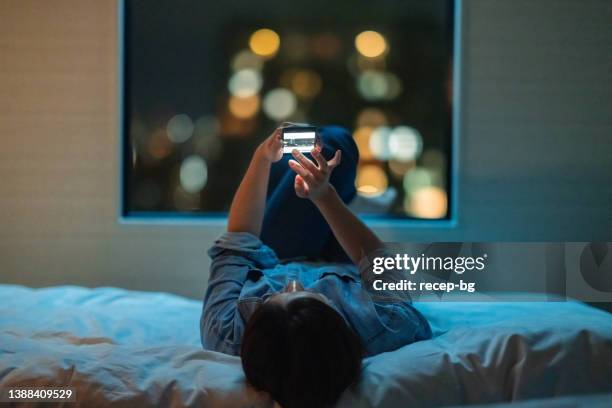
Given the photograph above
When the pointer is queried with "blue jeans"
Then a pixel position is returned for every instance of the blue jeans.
(293, 226)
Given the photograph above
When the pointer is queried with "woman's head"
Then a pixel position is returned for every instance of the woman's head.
(300, 350)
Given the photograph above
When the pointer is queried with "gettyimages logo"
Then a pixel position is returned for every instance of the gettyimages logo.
(493, 271)
(411, 270)
(422, 263)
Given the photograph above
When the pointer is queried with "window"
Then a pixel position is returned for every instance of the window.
(204, 83)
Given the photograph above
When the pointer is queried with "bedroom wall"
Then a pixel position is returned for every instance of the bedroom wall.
(535, 152)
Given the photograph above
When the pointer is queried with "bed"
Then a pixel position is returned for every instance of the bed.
(142, 349)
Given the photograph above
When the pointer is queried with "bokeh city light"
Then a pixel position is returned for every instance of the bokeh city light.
(244, 107)
(264, 42)
(371, 180)
(245, 83)
(370, 44)
(279, 104)
(193, 174)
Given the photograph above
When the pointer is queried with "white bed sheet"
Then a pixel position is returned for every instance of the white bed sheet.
(142, 349)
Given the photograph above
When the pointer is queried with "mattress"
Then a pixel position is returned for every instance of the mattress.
(142, 349)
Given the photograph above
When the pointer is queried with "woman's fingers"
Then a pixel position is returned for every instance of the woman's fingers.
(301, 189)
(303, 160)
(274, 139)
(324, 164)
(274, 145)
(306, 175)
(316, 153)
(335, 161)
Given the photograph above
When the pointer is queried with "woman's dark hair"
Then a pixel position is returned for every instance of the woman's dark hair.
(302, 353)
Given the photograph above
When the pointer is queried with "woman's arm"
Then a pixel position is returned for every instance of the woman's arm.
(354, 236)
(247, 209)
(312, 181)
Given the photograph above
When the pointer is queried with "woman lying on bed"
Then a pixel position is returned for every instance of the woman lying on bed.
(301, 324)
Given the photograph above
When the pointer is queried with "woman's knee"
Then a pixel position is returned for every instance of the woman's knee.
(343, 177)
(338, 138)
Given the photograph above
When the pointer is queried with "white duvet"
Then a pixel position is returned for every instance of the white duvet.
(142, 349)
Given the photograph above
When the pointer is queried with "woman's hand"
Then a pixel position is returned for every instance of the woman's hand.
(271, 149)
(312, 180)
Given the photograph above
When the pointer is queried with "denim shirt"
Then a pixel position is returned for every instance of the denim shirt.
(244, 272)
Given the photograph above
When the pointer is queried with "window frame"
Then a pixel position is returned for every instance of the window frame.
(125, 216)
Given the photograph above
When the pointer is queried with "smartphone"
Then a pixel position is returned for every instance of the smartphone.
(302, 138)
